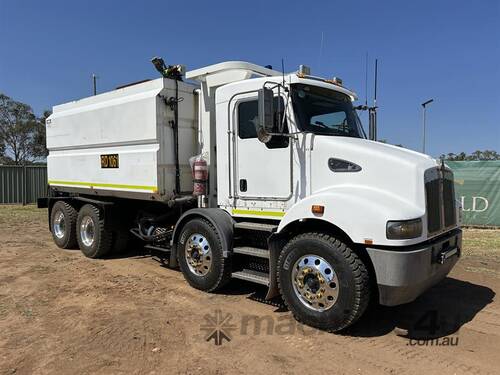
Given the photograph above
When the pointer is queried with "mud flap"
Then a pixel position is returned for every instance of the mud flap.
(275, 244)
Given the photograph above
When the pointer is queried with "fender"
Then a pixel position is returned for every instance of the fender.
(48, 202)
(361, 212)
(219, 218)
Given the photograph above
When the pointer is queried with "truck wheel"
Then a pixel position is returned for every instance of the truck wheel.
(322, 281)
(63, 225)
(201, 257)
(94, 239)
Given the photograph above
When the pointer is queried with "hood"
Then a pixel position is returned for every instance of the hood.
(389, 169)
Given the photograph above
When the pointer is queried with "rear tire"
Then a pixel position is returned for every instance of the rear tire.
(200, 254)
(323, 282)
(93, 238)
(63, 225)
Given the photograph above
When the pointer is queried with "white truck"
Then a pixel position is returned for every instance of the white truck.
(296, 197)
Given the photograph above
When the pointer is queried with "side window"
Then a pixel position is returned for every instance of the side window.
(248, 117)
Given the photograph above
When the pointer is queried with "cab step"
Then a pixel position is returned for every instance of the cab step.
(263, 227)
(253, 276)
(253, 251)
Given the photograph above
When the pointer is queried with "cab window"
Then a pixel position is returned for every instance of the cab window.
(248, 118)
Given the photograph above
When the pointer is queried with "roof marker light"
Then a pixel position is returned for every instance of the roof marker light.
(335, 80)
(304, 70)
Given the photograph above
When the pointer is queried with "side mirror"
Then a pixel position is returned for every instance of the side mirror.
(266, 115)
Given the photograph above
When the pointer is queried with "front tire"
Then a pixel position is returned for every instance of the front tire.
(323, 282)
(63, 225)
(200, 255)
(93, 238)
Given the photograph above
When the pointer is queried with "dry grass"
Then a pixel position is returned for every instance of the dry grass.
(481, 242)
(20, 213)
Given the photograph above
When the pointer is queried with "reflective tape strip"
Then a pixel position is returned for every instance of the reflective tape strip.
(257, 213)
(98, 184)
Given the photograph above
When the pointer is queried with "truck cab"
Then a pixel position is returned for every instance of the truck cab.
(319, 167)
(297, 197)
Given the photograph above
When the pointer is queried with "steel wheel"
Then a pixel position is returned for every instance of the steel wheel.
(315, 282)
(94, 234)
(63, 225)
(59, 225)
(198, 254)
(87, 231)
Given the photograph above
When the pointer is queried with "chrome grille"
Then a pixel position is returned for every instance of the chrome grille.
(440, 199)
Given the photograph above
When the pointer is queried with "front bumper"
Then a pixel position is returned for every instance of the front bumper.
(405, 273)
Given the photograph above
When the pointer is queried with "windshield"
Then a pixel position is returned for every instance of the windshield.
(323, 111)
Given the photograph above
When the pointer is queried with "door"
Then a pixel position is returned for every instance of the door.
(263, 170)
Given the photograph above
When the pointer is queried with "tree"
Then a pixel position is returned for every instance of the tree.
(22, 137)
(39, 147)
(3, 159)
(491, 155)
(476, 155)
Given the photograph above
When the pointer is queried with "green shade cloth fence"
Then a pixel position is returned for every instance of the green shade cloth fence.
(477, 187)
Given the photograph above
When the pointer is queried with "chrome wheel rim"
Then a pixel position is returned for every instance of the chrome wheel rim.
(87, 231)
(315, 283)
(198, 254)
(59, 225)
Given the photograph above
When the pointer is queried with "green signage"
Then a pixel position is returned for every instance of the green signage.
(477, 187)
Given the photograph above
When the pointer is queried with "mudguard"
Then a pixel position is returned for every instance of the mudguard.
(220, 219)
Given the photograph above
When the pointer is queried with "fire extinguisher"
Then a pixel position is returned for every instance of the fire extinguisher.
(200, 177)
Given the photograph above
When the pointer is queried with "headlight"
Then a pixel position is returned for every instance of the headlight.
(404, 230)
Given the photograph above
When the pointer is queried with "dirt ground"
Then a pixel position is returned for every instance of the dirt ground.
(63, 313)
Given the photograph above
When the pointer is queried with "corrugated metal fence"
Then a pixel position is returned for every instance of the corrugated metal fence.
(23, 185)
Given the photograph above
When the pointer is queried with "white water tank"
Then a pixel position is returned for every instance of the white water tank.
(121, 143)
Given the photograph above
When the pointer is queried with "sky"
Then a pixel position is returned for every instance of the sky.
(442, 49)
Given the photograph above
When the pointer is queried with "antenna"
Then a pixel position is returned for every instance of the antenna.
(366, 80)
(283, 70)
(376, 76)
(321, 50)
(372, 111)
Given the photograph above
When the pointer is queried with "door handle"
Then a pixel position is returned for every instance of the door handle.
(243, 184)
